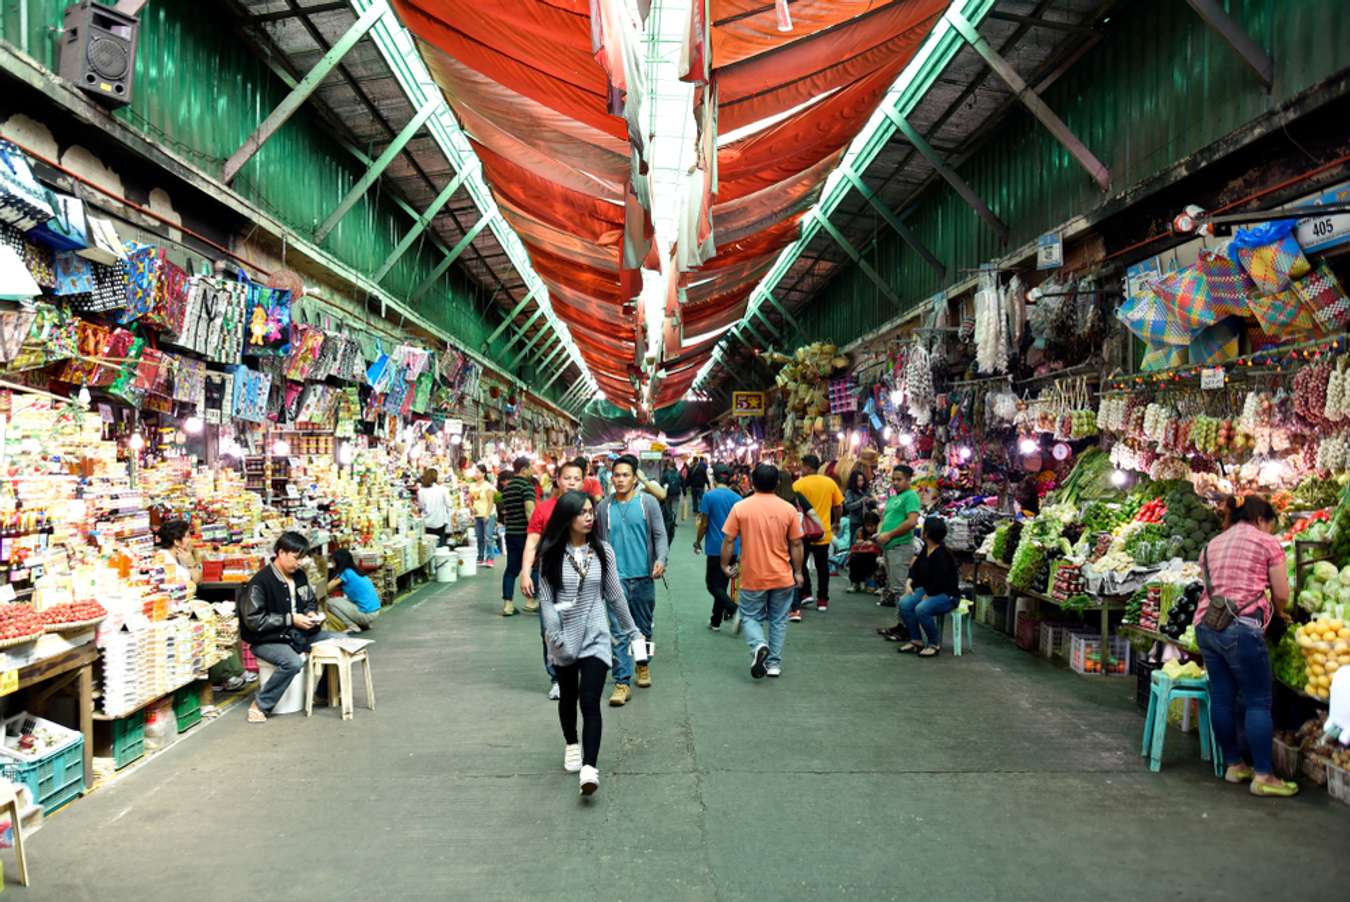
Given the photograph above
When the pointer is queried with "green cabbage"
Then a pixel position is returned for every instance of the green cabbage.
(1309, 600)
(1325, 571)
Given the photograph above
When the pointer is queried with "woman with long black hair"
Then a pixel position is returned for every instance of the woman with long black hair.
(578, 585)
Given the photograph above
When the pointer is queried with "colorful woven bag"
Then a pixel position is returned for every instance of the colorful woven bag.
(1161, 356)
(1147, 316)
(1270, 254)
(1217, 344)
(1282, 314)
(1322, 294)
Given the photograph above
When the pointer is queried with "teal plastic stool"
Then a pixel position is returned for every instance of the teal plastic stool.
(959, 616)
(1163, 690)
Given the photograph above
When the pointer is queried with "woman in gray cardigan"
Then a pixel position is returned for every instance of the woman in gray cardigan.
(578, 585)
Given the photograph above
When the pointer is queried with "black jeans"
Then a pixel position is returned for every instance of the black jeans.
(582, 682)
(515, 558)
(861, 567)
(821, 555)
(717, 583)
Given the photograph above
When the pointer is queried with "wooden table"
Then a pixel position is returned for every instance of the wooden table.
(58, 672)
(1107, 605)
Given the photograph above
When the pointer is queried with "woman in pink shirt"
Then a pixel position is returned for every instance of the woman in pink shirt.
(1244, 571)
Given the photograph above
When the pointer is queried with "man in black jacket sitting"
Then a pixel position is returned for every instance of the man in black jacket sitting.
(279, 616)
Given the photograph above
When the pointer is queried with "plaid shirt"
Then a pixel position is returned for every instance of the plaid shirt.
(1239, 562)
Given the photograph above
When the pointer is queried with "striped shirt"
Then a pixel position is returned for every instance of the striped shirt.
(514, 496)
(577, 626)
(1239, 561)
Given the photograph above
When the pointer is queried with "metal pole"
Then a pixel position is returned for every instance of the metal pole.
(450, 258)
(301, 93)
(905, 232)
(420, 225)
(866, 267)
(1233, 34)
(515, 336)
(515, 311)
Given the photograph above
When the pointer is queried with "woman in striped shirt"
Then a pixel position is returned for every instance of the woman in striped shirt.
(579, 589)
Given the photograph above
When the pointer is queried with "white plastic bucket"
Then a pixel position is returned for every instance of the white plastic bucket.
(468, 562)
(293, 701)
(446, 566)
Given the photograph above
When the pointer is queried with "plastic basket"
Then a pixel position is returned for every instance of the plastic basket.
(53, 779)
(1315, 768)
(128, 739)
(1143, 671)
(1285, 757)
(187, 707)
(1028, 631)
(1338, 783)
(1053, 639)
(1085, 656)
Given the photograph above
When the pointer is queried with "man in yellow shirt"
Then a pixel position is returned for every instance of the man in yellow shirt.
(828, 502)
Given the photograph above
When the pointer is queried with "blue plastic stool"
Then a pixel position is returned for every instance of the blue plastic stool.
(1163, 690)
(961, 615)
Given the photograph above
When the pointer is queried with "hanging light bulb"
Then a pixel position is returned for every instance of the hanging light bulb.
(897, 396)
(456, 439)
(886, 433)
(906, 439)
(963, 452)
(857, 439)
(840, 436)
(345, 453)
(83, 397)
(193, 425)
(1118, 478)
(136, 442)
(281, 447)
(1028, 446)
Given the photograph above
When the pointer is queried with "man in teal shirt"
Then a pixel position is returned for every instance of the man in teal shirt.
(898, 520)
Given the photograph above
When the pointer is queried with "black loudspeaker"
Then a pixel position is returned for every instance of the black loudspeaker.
(98, 52)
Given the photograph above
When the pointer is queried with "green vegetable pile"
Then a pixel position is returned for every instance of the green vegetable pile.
(1314, 494)
(1286, 661)
(1026, 565)
(1339, 532)
(1135, 606)
(1078, 602)
(1148, 535)
(999, 550)
(1100, 516)
(1090, 478)
(1191, 519)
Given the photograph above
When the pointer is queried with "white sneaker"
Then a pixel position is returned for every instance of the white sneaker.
(572, 758)
(590, 780)
(554, 693)
(773, 670)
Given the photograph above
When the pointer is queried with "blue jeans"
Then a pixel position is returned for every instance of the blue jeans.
(1238, 664)
(918, 610)
(771, 605)
(641, 596)
(515, 558)
(494, 545)
(480, 533)
(287, 664)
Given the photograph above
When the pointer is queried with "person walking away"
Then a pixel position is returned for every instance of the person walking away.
(434, 501)
(670, 481)
(712, 514)
(684, 496)
(631, 521)
(359, 604)
(864, 553)
(898, 520)
(484, 499)
(698, 482)
(579, 595)
(1246, 588)
(935, 590)
(279, 617)
(770, 562)
(569, 480)
(828, 502)
(514, 509)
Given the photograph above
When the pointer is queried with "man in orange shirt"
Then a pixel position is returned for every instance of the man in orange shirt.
(828, 502)
(770, 531)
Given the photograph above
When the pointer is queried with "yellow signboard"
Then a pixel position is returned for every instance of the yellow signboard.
(747, 404)
(9, 681)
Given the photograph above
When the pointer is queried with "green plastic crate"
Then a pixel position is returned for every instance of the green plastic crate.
(55, 779)
(187, 705)
(128, 739)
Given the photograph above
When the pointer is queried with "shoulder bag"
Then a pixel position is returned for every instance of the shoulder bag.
(1220, 614)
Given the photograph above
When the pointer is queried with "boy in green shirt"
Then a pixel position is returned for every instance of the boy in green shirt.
(898, 520)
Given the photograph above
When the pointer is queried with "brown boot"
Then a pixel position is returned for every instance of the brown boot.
(644, 676)
(619, 697)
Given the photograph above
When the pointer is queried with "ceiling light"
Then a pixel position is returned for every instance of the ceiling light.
(193, 425)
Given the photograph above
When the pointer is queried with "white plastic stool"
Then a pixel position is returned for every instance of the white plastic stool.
(329, 654)
(293, 700)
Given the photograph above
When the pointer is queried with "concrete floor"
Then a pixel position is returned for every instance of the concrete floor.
(859, 774)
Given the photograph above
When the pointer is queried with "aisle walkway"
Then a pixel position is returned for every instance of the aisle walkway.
(859, 774)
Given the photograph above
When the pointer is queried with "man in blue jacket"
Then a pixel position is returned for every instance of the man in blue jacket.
(632, 522)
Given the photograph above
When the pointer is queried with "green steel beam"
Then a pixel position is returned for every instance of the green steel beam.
(515, 311)
(958, 184)
(764, 317)
(377, 168)
(1031, 100)
(516, 335)
(420, 224)
(792, 320)
(529, 344)
(535, 357)
(551, 357)
(749, 323)
(574, 393)
(554, 378)
(294, 100)
(906, 234)
(1222, 24)
(862, 264)
(450, 257)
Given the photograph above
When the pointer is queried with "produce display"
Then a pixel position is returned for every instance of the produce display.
(19, 621)
(1325, 643)
(72, 612)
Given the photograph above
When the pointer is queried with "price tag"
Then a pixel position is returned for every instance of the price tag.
(9, 681)
(1211, 378)
(1050, 251)
(1323, 230)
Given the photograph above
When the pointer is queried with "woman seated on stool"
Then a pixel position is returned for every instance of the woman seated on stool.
(359, 604)
(934, 590)
(864, 552)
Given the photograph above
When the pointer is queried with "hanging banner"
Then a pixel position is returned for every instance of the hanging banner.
(747, 404)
